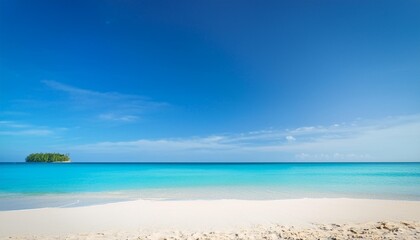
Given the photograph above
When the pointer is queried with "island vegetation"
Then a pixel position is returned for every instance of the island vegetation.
(48, 157)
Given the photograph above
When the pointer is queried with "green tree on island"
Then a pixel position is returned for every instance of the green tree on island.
(47, 157)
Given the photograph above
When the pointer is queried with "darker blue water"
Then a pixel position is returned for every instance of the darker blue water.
(211, 180)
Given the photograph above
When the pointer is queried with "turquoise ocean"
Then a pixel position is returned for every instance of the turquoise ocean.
(34, 185)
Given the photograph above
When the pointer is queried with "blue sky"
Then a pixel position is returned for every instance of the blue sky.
(210, 80)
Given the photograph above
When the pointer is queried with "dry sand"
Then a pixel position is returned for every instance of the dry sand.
(219, 219)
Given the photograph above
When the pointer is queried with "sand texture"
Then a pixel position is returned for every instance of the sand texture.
(219, 219)
(378, 230)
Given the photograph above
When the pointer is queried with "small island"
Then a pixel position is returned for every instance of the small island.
(48, 157)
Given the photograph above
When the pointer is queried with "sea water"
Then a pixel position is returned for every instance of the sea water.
(28, 185)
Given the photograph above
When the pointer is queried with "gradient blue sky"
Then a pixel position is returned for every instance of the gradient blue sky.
(143, 80)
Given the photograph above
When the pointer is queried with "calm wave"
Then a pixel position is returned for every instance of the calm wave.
(84, 183)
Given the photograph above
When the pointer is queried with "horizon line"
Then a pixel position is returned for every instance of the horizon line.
(288, 162)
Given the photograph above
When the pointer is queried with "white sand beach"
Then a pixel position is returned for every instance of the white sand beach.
(217, 219)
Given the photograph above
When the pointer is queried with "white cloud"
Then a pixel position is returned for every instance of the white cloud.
(13, 128)
(115, 117)
(110, 106)
(13, 124)
(189, 144)
(333, 157)
(290, 138)
(29, 132)
(389, 139)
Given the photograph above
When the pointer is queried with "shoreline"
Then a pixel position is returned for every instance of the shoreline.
(203, 215)
(28, 201)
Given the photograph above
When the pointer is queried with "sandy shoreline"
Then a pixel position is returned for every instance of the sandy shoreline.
(147, 217)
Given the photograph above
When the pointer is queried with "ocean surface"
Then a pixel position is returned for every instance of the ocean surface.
(34, 185)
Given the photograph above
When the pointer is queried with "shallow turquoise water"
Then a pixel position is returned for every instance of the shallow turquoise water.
(208, 180)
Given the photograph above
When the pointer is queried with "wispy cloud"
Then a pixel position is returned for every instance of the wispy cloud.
(12, 124)
(181, 144)
(30, 132)
(116, 117)
(12, 128)
(290, 138)
(389, 139)
(106, 106)
(333, 157)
